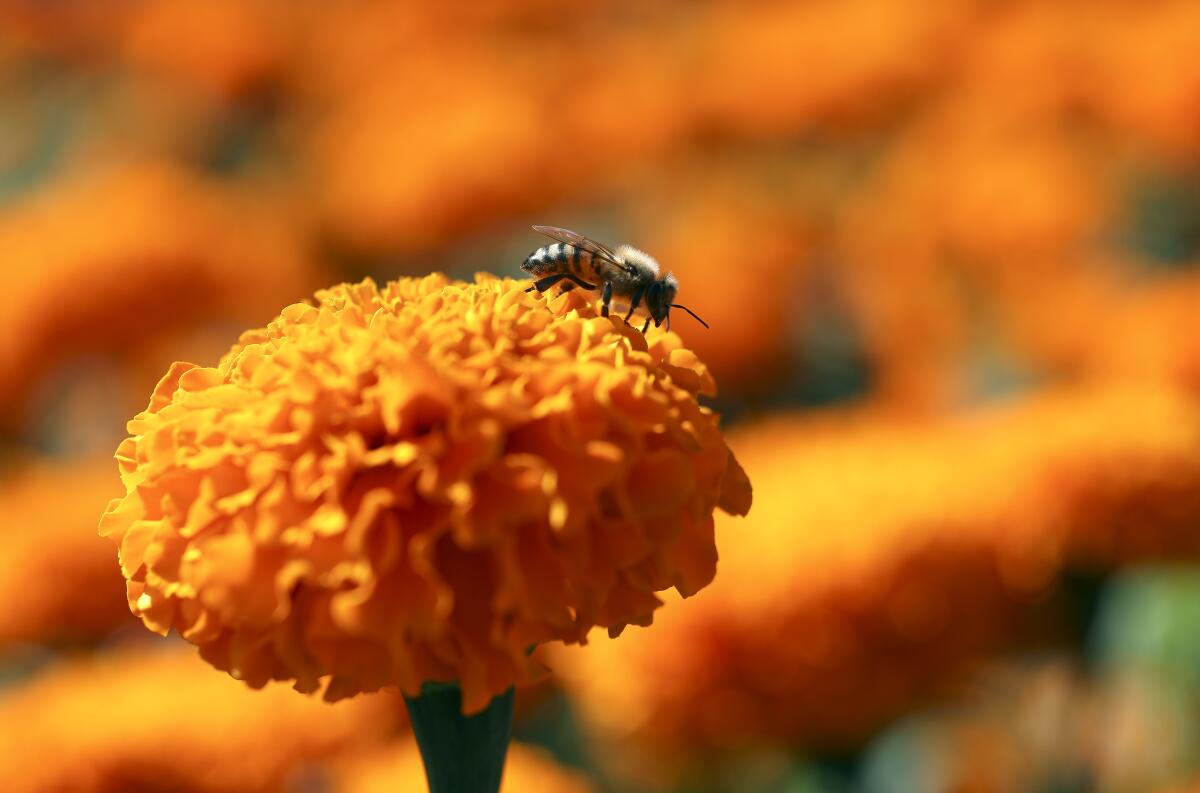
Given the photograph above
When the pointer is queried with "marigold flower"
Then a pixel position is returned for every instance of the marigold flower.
(755, 77)
(226, 49)
(411, 163)
(56, 576)
(171, 251)
(916, 235)
(882, 559)
(419, 483)
(142, 719)
(1139, 78)
(73, 32)
(1151, 335)
(528, 770)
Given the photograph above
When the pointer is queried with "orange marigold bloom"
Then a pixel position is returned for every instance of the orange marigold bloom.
(1140, 77)
(141, 719)
(419, 483)
(753, 74)
(526, 770)
(171, 251)
(412, 163)
(915, 235)
(883, 558)
(1151, 334)
(56, 576)
(224, 48)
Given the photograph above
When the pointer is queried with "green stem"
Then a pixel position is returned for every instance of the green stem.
(462, 754)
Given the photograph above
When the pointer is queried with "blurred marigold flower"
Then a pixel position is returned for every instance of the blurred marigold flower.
(404, 163)
(883, 558)
(420, 482)
(526, 770)
(917, 239)
(56, 576)
(873, 54)
(1150, 335)
(225, 48)
(136, 719)
(1140, 77)
(73, 31)
(170, 251)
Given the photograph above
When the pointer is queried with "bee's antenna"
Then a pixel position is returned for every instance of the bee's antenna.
(688, 310)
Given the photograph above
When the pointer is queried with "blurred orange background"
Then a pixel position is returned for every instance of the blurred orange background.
(950, 253)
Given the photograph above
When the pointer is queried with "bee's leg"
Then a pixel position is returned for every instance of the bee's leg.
(579, 282)
(605, 298)
(633, 302)
(547, 282)
(646, 325)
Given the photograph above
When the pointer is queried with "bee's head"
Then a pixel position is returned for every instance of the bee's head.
(659, 297)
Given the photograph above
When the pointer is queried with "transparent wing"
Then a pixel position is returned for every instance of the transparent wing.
(581, 242)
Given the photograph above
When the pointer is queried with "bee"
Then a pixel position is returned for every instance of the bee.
(627, 274)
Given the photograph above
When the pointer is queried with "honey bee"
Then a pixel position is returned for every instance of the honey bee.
(627, 274)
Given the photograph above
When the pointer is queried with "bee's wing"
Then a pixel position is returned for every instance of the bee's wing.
(581, 242)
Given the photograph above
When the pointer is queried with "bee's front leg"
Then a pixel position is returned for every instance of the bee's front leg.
(633, 302)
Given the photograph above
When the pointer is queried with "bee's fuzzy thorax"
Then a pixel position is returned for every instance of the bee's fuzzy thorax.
(638, 258)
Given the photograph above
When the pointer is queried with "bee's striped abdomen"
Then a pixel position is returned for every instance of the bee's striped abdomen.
(544, 261)
(560, 257)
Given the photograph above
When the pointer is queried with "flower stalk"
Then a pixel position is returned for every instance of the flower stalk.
(462, 754)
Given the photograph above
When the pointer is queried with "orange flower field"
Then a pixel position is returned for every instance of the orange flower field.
(920, 511)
